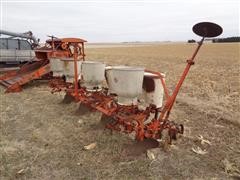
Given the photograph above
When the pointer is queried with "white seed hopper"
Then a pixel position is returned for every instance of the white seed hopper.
(126, 82)
(93, 75)
(56, 66)
(152, 89)
(68, 66)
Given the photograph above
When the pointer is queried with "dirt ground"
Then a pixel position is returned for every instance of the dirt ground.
(42, 137)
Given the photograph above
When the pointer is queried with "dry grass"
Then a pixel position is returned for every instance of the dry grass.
(44, 137)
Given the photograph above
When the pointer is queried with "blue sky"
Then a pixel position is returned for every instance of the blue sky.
(119, 21)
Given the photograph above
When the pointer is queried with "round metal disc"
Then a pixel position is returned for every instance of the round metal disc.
(207, 29)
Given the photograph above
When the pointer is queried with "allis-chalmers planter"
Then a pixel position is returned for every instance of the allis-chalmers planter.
(133, 95)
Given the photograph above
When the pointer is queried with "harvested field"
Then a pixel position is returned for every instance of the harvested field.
(42, 137)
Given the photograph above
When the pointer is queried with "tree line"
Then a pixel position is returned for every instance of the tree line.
(220, 40)
(228, 39)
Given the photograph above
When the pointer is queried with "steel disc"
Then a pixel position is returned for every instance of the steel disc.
(207, 29)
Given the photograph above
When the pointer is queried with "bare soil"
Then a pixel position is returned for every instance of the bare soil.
(43, 136)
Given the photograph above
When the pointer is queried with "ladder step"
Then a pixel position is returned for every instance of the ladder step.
(5, 83)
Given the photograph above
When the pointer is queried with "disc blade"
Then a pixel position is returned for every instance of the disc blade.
(207, 29)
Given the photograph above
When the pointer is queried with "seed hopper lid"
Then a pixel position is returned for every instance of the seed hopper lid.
(207, 29)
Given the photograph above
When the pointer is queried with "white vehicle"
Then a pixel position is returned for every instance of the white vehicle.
(18, 48)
